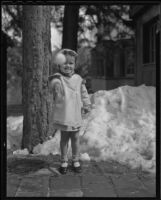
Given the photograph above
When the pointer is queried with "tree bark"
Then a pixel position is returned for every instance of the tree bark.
(70, 27)
(35, 92)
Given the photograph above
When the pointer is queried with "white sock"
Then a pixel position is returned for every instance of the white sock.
(64, 164)
(76, 164)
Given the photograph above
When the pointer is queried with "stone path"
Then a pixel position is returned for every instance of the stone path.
(30, 176)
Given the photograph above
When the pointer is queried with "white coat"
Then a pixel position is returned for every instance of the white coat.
(70, 95)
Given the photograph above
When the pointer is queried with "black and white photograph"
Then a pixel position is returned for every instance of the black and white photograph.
(81, 86)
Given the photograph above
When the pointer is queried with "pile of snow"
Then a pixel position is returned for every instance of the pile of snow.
(21, 152)
(49, 146)
(14, 132)
(120, 127)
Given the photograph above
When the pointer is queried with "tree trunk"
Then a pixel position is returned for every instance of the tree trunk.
(70, 27)
(35, 93)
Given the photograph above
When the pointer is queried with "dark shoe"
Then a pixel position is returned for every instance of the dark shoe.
(63, 170)
(76, 169)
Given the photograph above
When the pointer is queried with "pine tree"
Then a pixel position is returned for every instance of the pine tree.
(35, 92)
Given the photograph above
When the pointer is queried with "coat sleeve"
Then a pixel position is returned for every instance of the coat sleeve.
(85, 97)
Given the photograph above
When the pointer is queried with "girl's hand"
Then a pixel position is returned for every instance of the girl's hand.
(87, 109)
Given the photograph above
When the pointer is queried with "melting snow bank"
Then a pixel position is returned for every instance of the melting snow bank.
(14, 132)
(120, 127)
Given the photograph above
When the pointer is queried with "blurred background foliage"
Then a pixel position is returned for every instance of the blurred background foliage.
(95, 23)
(104, 19)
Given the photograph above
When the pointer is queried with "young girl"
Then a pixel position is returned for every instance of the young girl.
(70, 97)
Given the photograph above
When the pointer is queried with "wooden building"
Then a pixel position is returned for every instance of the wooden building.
(112, 64)
(147, 26)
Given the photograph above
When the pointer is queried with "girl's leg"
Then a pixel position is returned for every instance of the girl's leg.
(75, 145)
(64, 145)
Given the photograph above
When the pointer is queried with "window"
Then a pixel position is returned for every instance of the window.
(149, 41)
(100, 67)
(122, 63)
(114, 61)
(129, 58)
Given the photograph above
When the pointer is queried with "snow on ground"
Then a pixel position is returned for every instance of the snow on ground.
(14, 132)
(120, 127)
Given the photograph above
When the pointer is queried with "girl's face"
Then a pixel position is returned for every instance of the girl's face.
(68, 65)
